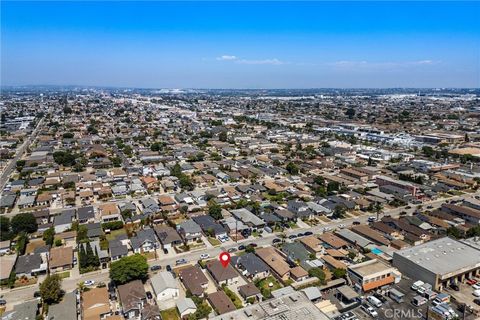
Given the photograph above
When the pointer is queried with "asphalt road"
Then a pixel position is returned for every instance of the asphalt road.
(16, 296)
(18, 154)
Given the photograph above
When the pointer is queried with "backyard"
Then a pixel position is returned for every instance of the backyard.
(170, 314)
(266, 288)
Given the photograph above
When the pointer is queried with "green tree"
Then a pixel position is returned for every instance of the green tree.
(339, 273)
(214, 210)
(22, 242)
(67, 135)
(129, 268)
(51, 289)
(350, 113)
(292, 168)
(82, 233)
(5, 233)
(49, 236)
(24, 222)
(318, 273)
(222, 136)
(339, 212)
(454, 232)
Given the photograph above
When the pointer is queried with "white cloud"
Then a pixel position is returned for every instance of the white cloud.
(227, 58)
(273, 61)
(381, 64)
(236, 59)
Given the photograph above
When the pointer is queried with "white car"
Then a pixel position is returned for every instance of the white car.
(204, 256)
(476, 293)
(476, 286)
(89, 283)
(369, 310)
(341, 226)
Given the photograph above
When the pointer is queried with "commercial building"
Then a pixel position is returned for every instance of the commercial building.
(372, 274)
(439, 262)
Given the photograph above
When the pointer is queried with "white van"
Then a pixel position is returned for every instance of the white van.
(374, 301)
(417, 284)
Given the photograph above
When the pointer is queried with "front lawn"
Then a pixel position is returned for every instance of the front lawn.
(170, 314)
(292, 225)
(214, 241)
(64, 275)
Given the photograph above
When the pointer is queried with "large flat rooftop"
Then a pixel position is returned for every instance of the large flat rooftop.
(442, 256)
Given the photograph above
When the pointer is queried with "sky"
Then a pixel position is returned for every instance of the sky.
(241, 44)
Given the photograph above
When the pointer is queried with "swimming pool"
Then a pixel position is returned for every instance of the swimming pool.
(377, 251)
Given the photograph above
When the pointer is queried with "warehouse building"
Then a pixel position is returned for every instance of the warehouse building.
(439, 262)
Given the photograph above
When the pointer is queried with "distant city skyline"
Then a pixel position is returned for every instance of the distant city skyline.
(245, 45)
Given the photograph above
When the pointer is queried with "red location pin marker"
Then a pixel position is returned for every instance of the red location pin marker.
(224, 259)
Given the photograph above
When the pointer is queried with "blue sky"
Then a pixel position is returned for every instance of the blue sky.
(241, 44)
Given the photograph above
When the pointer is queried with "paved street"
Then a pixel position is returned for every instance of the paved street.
(18, 295)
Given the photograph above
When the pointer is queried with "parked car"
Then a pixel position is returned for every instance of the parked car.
(292, 236)
(356, 223)
(369, 310)
(165, 251)
(380, 297)
(476, 301)
(3, 302)
(476, 293)
(89, 283)
(149, 295)
(372, 219)
(241, 247)
(168, 268)
(455, 287)
(180, 261)
(341, 226)
(204, 256)
(253, 245)
(300, 235)
(155, 268)
(308, 233)
(36, 294)
(232, 250)
(476, 286)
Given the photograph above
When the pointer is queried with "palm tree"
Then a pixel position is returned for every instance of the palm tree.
(378, 208)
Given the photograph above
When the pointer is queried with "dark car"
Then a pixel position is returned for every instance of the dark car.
(241, 247)
(276, 240)
(3, 302)
(300, 234)
(165, 251)
(149, 295)
(356, 223)
(380, 297)
(155, 268)
(169, 269)
(455, 287)
(253, 245)
(476, 301)
(36, 294)
(292, 236)
(308, 233)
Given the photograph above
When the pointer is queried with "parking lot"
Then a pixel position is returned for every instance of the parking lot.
(406, 310)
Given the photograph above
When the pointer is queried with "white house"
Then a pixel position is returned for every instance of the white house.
(165, 286)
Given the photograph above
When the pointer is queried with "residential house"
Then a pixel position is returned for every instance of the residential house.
(275, 262)
(31, 265)
(164, 286)
(194, 280)
(186, 306)
(251, 266)
(61, 259)
(95, 304)
(63, 221)
(248, 218)
(250, 291)
(222, 275)
(220, 302)
(109, 212)
(190, 231)
(65, 309)
(86, 214)
(133, 298)
(210, 226)
(168, 236)
(144, 241)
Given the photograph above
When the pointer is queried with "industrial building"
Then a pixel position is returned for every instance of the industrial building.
(439, 262)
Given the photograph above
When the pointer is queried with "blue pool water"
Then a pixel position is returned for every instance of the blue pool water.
(377, 251)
